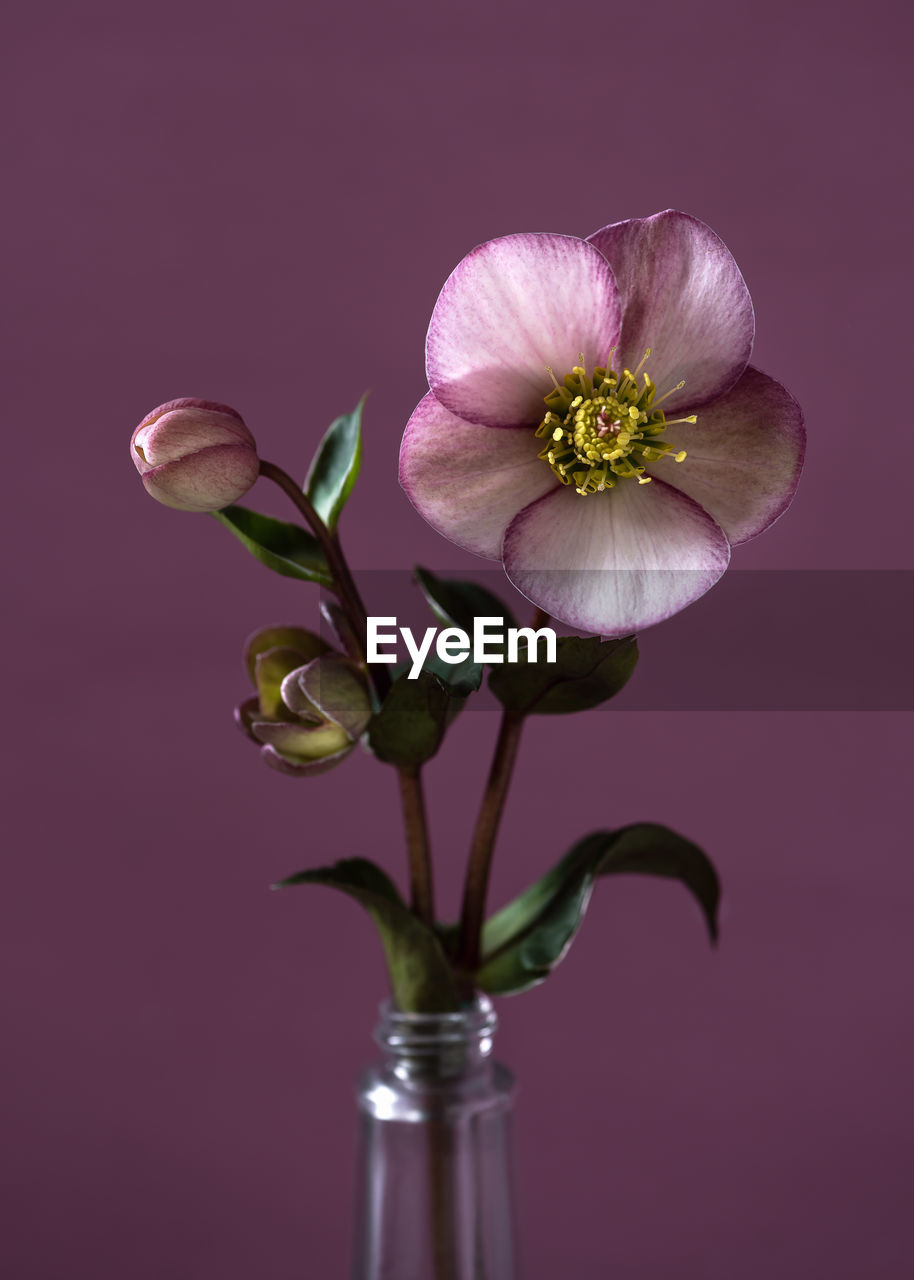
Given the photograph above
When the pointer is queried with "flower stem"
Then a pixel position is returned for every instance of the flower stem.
(476, 886)
(441, 1197)
(343, 582)
(483, 844)
(417, 840)
(417, 844)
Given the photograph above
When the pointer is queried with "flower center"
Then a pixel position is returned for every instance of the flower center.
(604, 428)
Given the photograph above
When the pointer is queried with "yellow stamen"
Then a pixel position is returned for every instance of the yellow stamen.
(666, 395)
(604, 428)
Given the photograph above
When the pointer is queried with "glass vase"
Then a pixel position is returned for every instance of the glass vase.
(434, 1191)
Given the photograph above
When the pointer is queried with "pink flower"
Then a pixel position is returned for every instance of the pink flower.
(593, 421)
(195, 455)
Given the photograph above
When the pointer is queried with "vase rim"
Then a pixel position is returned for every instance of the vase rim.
(417, 1033)
(480, 1007)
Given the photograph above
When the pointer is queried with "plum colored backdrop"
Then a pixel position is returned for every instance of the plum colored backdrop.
(258, 204)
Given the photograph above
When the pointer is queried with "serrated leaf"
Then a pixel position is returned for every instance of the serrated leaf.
(408, 729)
(455, 602)
(421, 979)
(522, 943)
(335, 467)
(285, 548)
(586, 672)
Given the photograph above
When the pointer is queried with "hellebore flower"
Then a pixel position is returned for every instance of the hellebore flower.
(593, 422)
(195, 455)
(312, 704)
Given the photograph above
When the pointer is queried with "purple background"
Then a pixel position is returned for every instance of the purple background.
(258, 204)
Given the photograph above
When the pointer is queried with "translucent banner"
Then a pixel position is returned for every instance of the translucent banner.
(760, 640)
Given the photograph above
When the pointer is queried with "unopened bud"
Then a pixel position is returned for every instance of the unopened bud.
(195, 455)
(309, 711)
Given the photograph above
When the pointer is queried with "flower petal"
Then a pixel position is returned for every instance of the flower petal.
(511, 307)
(683, 296)
(302, 768)
(616, 562)
(745, 454)
(306, 644)
(193, 403)
(468, 481)
(334, 686)
(210, 480)
(270, 670)
(246, 713)
(299, 742)
(184, 427)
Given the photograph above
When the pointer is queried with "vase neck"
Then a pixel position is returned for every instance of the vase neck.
(422, 1046)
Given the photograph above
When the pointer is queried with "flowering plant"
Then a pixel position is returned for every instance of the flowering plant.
(592, 423)
(644, 313)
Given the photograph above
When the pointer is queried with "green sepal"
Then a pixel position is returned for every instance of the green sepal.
(271, 668)
(421, 979)
(339, 691)
(522, 943)
(335, 467)
(305, 643)
(585, 673)
(285, 548)
(456, 603)
(408, 729)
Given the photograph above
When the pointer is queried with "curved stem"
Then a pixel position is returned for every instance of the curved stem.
(417, 840)
(417, 843)
(483, 844)
(344, 584)
(476, 887)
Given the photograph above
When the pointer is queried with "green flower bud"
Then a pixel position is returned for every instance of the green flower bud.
(311, 706)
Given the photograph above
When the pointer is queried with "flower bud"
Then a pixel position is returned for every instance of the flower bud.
(311, 707)
(195, 455)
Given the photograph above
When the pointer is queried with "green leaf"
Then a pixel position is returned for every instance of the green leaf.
(455, 603)
(523, 942)
(459, 678)
(335, 467)
(284, 548)
(421, 979)
(408, 729)
(586, 672)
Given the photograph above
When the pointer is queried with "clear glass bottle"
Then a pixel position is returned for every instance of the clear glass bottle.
(434, 1195)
